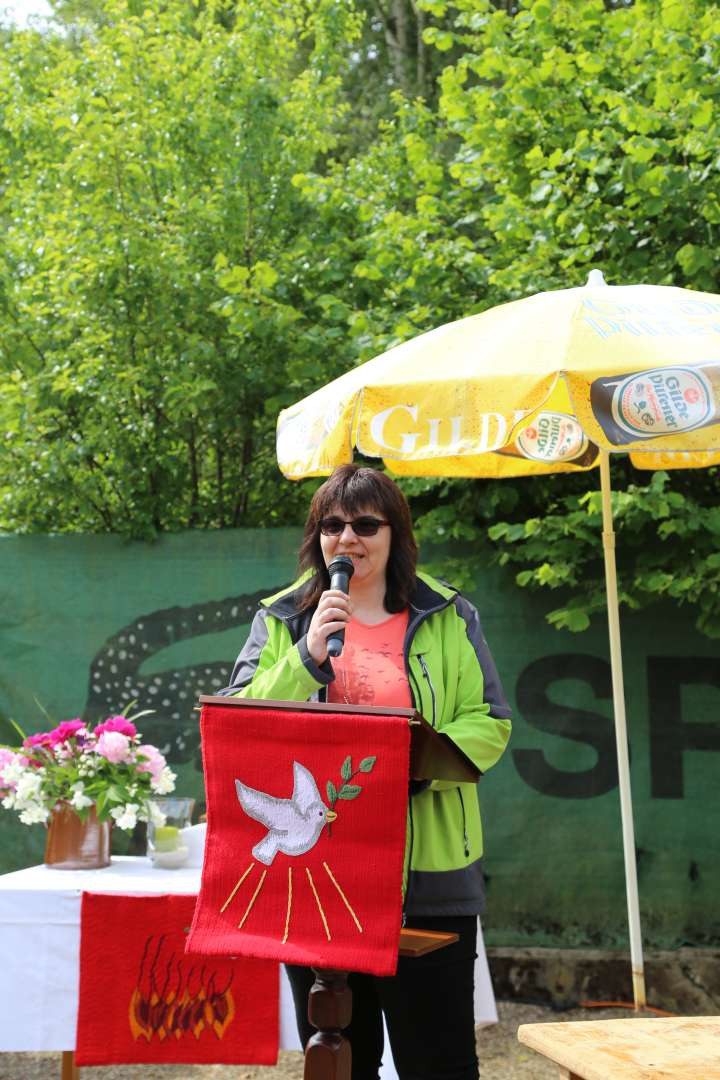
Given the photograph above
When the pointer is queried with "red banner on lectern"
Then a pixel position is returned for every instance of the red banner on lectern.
(143, 1000)
(306, 837)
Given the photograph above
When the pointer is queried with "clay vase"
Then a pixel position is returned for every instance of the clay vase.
(73, 844)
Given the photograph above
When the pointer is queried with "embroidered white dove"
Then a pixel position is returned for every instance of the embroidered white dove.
(294, 824)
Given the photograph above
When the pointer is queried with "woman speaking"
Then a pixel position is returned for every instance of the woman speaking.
(410, 641)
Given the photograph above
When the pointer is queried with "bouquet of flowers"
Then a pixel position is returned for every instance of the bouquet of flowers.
(108, 767)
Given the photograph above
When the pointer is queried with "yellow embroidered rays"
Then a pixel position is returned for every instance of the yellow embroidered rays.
(314, 892)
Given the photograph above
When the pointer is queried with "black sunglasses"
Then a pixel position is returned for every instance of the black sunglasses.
(361, 526)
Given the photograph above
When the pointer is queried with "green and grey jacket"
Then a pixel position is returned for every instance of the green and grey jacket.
(454, 685)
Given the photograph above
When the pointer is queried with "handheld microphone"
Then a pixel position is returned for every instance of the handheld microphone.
(341, 569)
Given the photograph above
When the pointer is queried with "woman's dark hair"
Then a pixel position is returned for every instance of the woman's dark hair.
(354, 488)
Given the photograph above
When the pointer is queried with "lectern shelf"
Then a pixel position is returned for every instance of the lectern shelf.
(433, 755)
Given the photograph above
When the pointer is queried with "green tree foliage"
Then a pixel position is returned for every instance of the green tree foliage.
(211, 210)
(146, 273)
(593, 136)
(684, 566)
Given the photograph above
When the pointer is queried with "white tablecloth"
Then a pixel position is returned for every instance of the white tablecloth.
(40, 949)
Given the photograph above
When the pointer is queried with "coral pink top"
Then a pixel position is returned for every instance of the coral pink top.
(371, 670)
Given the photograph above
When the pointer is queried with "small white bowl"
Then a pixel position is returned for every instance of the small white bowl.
(170, 860)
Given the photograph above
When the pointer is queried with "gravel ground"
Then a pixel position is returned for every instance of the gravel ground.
(502, 1057)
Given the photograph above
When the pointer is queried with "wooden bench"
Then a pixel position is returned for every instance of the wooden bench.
(677, 1048)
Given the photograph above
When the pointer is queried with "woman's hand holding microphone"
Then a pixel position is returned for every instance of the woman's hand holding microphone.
(332, 614)
(326, 632)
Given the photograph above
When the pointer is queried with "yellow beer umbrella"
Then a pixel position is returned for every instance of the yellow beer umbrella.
(551, 383)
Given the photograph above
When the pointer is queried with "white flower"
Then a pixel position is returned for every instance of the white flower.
(79, 799)
(29, 786)
(165, 782)
(32, 815)
(13, 772)
(155, 814)
(125, 817)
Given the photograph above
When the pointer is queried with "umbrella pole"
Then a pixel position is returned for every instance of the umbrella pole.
(626, 811)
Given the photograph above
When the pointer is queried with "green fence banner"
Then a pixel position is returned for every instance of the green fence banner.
(88, 624)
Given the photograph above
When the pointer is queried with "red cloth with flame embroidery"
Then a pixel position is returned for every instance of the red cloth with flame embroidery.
(144, 1000)
(305, 843)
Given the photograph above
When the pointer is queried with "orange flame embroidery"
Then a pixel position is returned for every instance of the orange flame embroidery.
(172, 998)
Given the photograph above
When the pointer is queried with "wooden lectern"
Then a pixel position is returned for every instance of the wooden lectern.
(433, 756)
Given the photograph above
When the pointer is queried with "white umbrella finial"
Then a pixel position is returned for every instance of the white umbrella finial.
(595, 277)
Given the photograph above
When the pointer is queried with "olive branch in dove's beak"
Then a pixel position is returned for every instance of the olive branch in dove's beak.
(347, 790)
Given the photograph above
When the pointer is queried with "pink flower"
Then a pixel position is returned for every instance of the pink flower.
(41, 741)
(117, 723)
(154, 763)
(43, 738)
(114, 747)
(67, 730)
(8, 757)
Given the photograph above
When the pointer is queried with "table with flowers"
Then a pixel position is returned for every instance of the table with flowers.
(40, 943)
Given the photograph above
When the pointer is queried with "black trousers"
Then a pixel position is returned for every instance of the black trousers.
(428, 1007)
